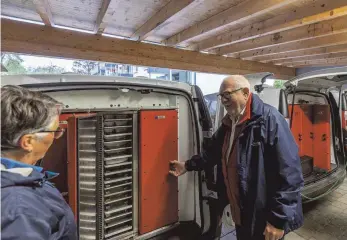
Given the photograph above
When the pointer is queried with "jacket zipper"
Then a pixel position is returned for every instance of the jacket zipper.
(232, 148)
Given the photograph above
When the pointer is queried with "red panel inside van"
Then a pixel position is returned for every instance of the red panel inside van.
(303, 128)
(311, 130)
(322, 137)
(158, 200)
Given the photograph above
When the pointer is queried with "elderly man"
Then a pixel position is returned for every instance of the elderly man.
(260, 164)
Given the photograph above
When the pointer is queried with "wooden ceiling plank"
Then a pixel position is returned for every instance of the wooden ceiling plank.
(34, 39)
(309, 58)
(325, 62)
(158, 19)
(242, 12)
(44, 10)
(100, 23)
(326, 41)
(302, 53)
(320, 29)
(302, 16)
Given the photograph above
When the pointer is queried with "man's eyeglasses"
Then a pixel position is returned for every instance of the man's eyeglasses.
(57, 133)
(227, 95)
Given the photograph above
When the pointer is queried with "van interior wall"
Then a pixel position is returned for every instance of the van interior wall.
(311, 128)
(116, 101)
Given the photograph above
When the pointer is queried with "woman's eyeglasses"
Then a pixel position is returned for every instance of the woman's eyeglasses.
(227, 95)
(57, 133)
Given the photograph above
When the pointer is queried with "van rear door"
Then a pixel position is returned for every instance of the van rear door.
(344, 118)
(207, 178)
(337, 123)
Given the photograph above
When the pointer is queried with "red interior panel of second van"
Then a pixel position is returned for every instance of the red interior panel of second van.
(296, 124)
(158, 201)
(311, 130)
(322, 137)
(302, 128)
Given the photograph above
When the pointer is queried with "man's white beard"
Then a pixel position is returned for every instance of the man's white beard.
(235, 113)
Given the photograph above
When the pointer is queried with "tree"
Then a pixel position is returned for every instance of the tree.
(48, 69)
(85, 67)
(279, 83)
(5, 57)
(13, 63)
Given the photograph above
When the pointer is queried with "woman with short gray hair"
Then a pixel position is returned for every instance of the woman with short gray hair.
(31, 207)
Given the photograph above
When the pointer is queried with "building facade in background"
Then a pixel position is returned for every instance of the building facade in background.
(125, 70)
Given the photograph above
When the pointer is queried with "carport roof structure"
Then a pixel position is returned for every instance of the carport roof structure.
(217, 36)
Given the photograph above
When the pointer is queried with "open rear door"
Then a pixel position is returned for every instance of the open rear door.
(339, 133)
(344, 118)
(207, 220)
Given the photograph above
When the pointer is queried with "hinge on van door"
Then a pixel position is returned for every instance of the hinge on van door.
(311, 135)
(196, 99)
(207, 134)
(337, 143)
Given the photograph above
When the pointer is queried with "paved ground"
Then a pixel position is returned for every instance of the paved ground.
(325, 219)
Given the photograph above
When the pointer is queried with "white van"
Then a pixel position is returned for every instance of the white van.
(113, 160)
(121, 134)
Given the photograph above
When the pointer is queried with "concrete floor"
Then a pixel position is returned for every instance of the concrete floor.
(325, 219)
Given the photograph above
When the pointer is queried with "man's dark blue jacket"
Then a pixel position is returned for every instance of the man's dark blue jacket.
(269, 170)
(31, 207)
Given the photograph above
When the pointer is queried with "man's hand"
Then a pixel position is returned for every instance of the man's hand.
(177, 168)
(272, 233)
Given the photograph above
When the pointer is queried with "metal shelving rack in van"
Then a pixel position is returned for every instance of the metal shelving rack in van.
(86, 174)
(106, 164)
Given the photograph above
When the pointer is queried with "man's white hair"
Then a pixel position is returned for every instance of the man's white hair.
(239, 81)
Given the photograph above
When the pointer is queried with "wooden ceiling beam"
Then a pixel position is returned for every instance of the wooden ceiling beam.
(34, 39)
(310, 58)
(101, 21)
(44, 10)
(326, 41)
(301, 16)
(320, 29)
(302, 53)
(323, 62)
(158, 19)
(240, 13)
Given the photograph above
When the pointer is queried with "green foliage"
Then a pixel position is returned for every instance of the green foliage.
(13, 63)
(279, 83)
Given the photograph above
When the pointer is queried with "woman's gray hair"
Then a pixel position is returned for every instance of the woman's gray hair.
(24, 112)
